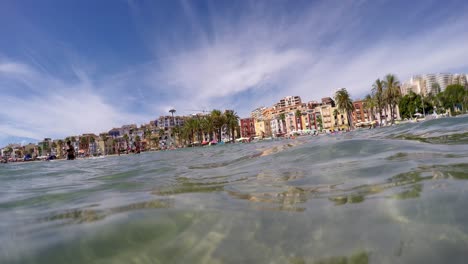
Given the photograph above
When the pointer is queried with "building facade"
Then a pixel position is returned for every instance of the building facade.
(262, 128)
(432, 83)
(360, 113)
(247, 127)
(258, 113)
(277, 127)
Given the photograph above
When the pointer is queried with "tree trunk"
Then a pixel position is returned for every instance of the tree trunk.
(385, 109)
(233, 134)
(349, 119)
(380, 116)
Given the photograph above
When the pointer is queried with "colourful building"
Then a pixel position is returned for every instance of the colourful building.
(262, 128)
(360, 114)
(247, 127)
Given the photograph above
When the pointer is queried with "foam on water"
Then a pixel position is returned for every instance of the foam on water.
(387, 195)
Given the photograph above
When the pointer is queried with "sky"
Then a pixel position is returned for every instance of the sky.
(72, 67)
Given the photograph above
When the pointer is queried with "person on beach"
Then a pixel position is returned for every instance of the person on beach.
(70, 151)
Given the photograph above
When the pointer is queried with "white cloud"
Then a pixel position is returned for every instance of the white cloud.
(238, 61)
(14, 68)
(223, 71)
(310, 54)
(57, 108)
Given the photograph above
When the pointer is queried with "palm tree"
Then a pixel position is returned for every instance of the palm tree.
(189, 129)
(335, 114)
(370, 104)
(319, 121)
(207, 126)
(378, 91)
(218, 120)
(344, 103)
(298, 115)
(392, 93)
(232, 122)
(282, 117)
(186, 133)
(197, 126)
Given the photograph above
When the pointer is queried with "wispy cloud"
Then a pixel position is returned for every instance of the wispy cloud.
(208, 55)
(58, 108)
(311, 53)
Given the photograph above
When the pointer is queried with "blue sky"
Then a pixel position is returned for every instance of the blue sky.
(72, 67)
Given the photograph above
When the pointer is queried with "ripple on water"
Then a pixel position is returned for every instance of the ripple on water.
(387, 195)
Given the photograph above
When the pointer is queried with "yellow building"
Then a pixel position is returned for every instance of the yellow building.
(262, 128)
(326, 114)
(332, 118)
(340, 119)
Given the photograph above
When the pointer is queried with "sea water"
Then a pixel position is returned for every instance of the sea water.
(387, 195)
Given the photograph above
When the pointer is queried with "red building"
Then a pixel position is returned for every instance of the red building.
(311, 121)
(360, 113)
(247, 127)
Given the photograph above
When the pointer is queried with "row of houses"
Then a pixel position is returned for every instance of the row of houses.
(291, 115)
(128, 138)
(156, 134)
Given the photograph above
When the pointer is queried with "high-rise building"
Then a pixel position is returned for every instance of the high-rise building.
(289, 101)
(444, 79)
(432, 83)
(415, 85)
(258, 112)
(460, 79)
(287, 104)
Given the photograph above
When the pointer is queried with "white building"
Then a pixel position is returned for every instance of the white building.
(290, 101)
(277, 126)
(443, 80)
(460, 79)
(432, 83)
(415, 85)
(258, 113)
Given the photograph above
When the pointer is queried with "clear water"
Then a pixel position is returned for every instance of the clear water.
(389, 195)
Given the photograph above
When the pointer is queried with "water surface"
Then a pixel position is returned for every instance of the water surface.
(387, 195)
